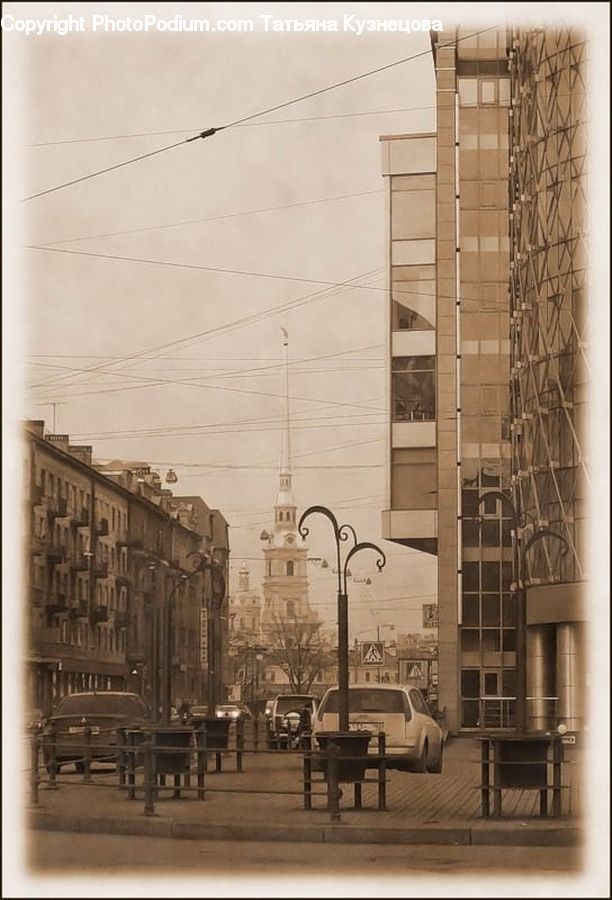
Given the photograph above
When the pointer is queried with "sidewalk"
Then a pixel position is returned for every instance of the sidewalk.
(422, 808)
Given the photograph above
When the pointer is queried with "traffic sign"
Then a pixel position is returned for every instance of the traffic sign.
(414, 671)
(372, 653)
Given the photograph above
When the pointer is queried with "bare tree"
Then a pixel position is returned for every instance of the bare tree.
(300, 650)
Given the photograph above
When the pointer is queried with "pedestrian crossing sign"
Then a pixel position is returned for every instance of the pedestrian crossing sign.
(414, 671)
(372, 653)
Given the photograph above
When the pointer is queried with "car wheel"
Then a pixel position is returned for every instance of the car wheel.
(436, 769)
(421, 765)
(80, 767)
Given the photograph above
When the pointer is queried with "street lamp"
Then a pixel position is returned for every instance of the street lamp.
(520, 550)
(341, 534)
(201, 564)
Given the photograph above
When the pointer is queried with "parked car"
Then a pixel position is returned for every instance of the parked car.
(34, 720)
(278, 725)
(233, 711)
(414, 740)
(197, 714)
(103, 712)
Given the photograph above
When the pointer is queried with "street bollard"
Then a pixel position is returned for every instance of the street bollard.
(201, 760)
(333, 790)
(256, 732)
(557, 764)
(121, 760)
(485, 780)
(131, 766)
(34, 779)
(149, 778)
(87, 761)
(239, 743)
(51, 758)
(307, 774)
(382, 771)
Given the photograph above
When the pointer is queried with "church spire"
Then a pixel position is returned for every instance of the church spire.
(285, 460)
(284, 498)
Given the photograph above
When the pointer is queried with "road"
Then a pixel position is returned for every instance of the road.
(52, 852)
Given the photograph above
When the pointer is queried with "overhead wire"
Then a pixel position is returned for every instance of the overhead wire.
(248, 212)
(209, 132)
(141, 134)
(197, 337)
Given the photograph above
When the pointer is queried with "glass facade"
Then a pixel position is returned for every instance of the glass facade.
(413, 388)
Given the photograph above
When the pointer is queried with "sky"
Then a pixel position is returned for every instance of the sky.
(194, 405)
(72, 106)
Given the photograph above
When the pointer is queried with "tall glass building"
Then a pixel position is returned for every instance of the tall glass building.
(456, 249)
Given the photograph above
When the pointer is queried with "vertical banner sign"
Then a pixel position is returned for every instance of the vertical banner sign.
(430, 615)
(203, 637)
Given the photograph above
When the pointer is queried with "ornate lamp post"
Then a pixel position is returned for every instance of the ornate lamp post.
(341, 534)
(521, 548)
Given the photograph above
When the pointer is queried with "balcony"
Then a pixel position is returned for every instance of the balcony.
(99, 614)
(37, 495)
(122, 581)
(80, 563)
(38, 545)
(101, 528)
(100, 569)
(56, 554)
(80, 519)
(57, 602)
(57, 507)
(80, 611)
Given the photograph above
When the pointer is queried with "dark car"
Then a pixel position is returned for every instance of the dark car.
(103, 712)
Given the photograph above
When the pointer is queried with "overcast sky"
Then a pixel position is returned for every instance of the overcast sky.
(64, 94)
(203, 392)
(84, 311)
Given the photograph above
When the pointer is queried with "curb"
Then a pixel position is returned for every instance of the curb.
(564, 836)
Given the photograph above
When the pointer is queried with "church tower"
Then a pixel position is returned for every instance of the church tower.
(285, 584)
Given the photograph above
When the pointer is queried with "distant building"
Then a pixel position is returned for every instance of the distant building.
(105, 553)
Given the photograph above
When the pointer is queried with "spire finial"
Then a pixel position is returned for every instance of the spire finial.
(285, 461)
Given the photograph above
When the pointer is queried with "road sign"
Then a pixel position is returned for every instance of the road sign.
(372, 653)
(203, 636)
(414, 671)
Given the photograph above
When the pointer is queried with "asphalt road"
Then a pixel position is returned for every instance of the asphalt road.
(104, 855)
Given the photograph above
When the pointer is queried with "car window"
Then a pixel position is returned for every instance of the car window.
(288, 704)
(105, 704)
(365, 700)
(419, 703)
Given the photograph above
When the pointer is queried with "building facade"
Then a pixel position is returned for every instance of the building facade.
(113, 601)
(481, 228)
(550, 366)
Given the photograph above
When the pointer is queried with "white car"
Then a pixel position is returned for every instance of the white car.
(414, 739)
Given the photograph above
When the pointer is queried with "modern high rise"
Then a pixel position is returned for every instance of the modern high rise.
(486, 222)
(550, 362)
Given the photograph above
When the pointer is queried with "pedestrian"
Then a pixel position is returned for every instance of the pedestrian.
(304, 723)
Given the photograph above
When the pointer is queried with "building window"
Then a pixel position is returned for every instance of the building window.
(290, 567)
(290, 608)
(413, 388)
